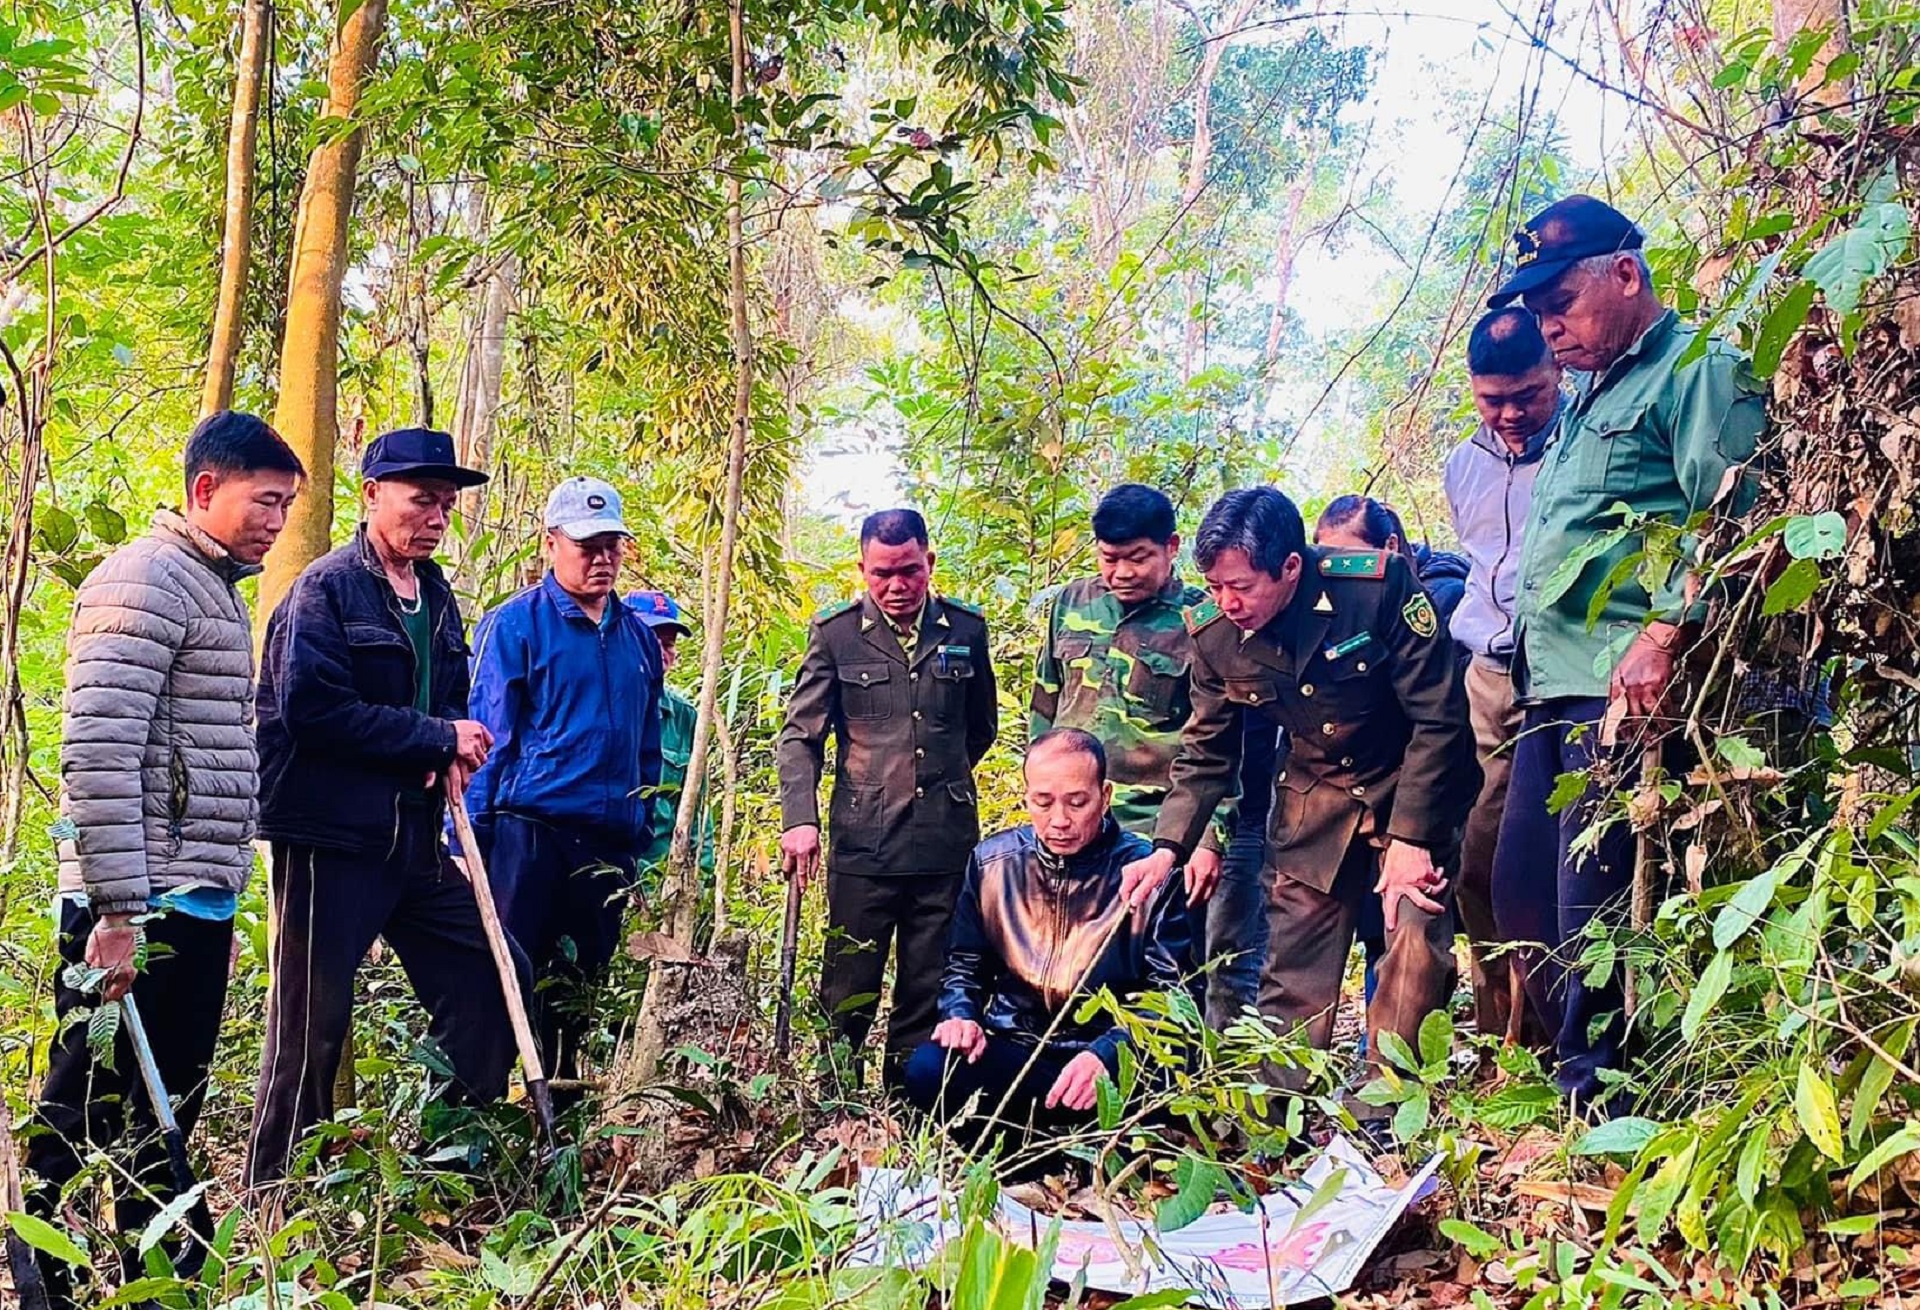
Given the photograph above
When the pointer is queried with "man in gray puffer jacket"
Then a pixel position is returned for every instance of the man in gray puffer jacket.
(158, 798)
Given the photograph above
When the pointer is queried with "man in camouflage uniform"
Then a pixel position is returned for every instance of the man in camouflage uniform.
(1114, 662)
(902, 683)
(1345, 652)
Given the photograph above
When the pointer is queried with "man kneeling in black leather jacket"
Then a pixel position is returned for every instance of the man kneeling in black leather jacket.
(1040, 925)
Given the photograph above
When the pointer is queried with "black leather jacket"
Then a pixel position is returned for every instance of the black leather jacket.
(1027, 924)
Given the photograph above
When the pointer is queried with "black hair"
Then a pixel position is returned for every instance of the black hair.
(1258, 520)
(893, 527)
(228, 442)
(1506, 343)
(1131, 512)
(1074, 741)
(1374, 522)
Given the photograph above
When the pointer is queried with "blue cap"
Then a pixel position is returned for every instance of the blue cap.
(416, 453)
(585, 507)
(657, 610)
(1559, 236)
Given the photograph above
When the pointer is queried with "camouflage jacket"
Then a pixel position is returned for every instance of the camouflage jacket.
(1122, 675)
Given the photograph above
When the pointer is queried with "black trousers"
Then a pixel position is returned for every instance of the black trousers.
(867, 917)
(1548, 885)
(562, 898)
(328, 907)
(85, 1104)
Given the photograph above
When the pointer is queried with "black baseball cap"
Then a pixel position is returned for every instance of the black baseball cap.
(416, 453)
(1565, 232)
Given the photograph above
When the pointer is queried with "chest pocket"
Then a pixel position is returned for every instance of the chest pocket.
(1254, 694)
(866, 690)
(1604, 454)
(381, 658)
(1158, 681)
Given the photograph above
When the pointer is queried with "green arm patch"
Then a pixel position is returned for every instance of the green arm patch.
(1354, 564)
(1199, 616)
(964, 607)
(1420, 616)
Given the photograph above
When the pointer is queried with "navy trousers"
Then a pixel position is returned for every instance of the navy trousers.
(562, 897)
(940, 1082)
(328, 908)
(1544, 891)
(1233, 925)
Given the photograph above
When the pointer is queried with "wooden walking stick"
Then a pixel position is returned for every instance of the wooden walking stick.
(789, 959)
(28, 1285)
(1646, 855)
(476, 870)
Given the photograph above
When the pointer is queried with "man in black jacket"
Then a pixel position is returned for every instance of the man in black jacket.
(1040, 925)
(363, 726)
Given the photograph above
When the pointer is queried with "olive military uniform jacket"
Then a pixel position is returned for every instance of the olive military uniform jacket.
(1121, 674)
(1360, 671)
(907, 733)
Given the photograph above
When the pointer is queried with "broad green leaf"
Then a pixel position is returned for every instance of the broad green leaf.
(1568, 571)
(1875, 1082)
(1477, 1242)
(1436, 1038)
(1891, 814)
(1567, 788)
(1843, 267)
(1792, 589)
(1658, 1193)
(1904, 1142)
(1745, 908)
(1740, 753)
(516, 1278)
(1623, 1136)
(1777, 329)
(1518, 1106)
(1819, 1115)
(1197, 1181)
(1816, 536)
(1411, 1119)
(43, 1236)
(1706, 994)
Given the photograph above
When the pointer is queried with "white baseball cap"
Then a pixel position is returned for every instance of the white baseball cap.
(585, 507)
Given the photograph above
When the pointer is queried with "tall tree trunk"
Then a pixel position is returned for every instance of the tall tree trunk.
(1200, 160)
(1286, 248)
(236, 234)
(308, 412)
(667, 983)
(479, 402)
(1792, 17)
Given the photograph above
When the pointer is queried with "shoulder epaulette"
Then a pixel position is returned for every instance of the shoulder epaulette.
(1354, 564)
(1199, 616)
(834, 611)
(964, 607)
(1192, 596)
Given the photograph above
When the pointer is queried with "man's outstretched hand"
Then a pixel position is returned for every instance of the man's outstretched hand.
(800, 852)
(1142, 878)
(962, 1035)
(1077, 1086)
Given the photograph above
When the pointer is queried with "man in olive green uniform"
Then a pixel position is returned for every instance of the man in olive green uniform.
(902, 682)
(1661, 425)
(1345, 652)
(1114, 661)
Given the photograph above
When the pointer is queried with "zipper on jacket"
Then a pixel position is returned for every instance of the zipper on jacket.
(1506, 551)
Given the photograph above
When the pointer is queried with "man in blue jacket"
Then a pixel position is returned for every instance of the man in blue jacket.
(567, 677)
(363, 727)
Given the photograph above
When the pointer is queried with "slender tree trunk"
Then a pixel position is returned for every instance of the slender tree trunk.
(236, 236)
(1286, 248)
(668, 982)
(729, 812)
(1792, 17)
(473, 421)
(308, 413)
(1199, 160)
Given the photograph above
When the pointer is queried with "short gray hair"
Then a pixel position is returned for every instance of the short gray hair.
(1601, 265)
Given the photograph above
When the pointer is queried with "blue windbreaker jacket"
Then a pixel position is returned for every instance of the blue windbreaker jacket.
(574, 708)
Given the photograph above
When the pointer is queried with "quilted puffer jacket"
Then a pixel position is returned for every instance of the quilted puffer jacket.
(159, 778)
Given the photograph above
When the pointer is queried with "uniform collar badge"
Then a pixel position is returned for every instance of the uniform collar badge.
(1324, 605)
